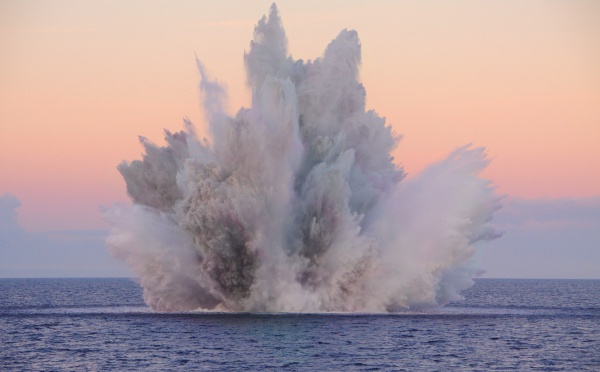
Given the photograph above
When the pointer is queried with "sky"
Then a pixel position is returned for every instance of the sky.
(79, 81)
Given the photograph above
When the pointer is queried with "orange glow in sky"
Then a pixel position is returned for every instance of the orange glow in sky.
(80, 80)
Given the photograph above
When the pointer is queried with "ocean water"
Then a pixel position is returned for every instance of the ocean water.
(103, 324)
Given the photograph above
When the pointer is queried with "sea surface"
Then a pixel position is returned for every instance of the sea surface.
(103, 324)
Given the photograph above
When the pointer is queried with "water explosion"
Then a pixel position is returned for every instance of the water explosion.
(295, 203)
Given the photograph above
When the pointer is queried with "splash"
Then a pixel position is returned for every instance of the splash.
(295, 203)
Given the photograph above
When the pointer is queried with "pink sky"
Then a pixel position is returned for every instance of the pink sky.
(79, 81)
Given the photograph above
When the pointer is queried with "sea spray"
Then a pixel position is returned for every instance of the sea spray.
(295, 204)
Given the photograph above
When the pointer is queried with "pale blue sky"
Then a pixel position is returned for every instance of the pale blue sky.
(542, 239)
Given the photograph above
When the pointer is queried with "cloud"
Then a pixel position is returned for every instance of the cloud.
(543, 213)
(545, 238)
(69, 253)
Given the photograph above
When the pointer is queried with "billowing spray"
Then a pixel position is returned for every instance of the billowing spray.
(295, 203)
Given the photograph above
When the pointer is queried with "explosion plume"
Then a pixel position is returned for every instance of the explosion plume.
(295, 204)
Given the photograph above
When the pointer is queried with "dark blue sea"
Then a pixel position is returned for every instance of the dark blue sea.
(103, 324)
